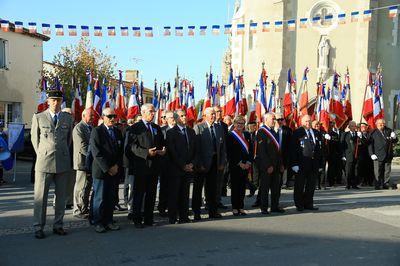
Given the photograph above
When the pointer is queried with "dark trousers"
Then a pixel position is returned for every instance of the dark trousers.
(365, 170)
(350, 170)
(304, 187)
(163, 194)
(104, 199)
(145, 186)
(269, 182)
(209, 180)
(178, 197)
(238, 187)
(335, 167)
(382, 172)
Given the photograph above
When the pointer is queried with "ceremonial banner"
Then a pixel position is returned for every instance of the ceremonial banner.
(85, 30)
(46, 29)
(72, 30)
(15, 137)
(59, 30)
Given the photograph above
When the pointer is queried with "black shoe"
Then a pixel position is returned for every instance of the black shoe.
(139, 225)
(278, 210)
(300, 209)
(385, 187)
(355, 187)
(172, 220)
(313, 208)
(120, 208)
(130, 216)
(215, 216)
(256, 204)
(148, 224)
(59, 231)
(197, 217)
(100, 229)
(347, 187)
(184, 221)
(69, 206)
(265, 212)
(39, 234)
(162, 213)
(222, 206)
(81, 216)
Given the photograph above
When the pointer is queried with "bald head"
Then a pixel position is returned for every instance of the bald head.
(87, 116)
(209, 115)
(306, 121)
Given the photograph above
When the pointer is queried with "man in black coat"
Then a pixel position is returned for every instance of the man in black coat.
(306, 159)
(335, 164)
(284, 134)
(146, 147)
(106, 146)
(349, 141)
(181, 149)
(365, 166)
(382, 140)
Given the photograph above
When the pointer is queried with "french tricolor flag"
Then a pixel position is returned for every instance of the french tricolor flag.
(354, 16)
(97, 106)
(111, 31)
(393, 11)
(46, 29)
(89, 91)
(228, 29)
(191, 30)
(278, 26)
(59, 30)
(124, 31)
(303, 23)
(367, 15)
(179, 31)
(84, 30)
(261, 103)
(203, 30)
(167, 31)
(240, 29)
(328, 19)
(120, 109)
(215, 29)
(230, 107)
(32, 27)
(291, 25)
(19, 26)
(253, 27)
(133, 105)
(316, 20)
(77, 104)
(342, 18)
(72, 30)
(272, 98)
(5, 25)
(266, 26)
(148, 32)
(136, 31)
(98, 31)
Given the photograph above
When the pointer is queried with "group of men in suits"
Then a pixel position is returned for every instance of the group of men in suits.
(179, 155)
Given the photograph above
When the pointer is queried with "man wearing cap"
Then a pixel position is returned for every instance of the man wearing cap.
(51, 138)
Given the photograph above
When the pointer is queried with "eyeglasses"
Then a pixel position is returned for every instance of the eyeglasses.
(163, 117)
(111, 116)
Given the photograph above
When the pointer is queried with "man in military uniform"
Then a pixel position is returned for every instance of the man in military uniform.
(51, 138)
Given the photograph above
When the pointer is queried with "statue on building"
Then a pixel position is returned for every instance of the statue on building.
(323, 58)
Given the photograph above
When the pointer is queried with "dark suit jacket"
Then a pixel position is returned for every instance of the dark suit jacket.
(179, 153)
(334, 147)
(349, 145)
(285, 145)
(105, 153)
(137, 148)
(381, 144)
(267, 154)
(303, 153)
(235, 151)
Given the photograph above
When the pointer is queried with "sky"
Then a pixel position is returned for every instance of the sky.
(155, 58)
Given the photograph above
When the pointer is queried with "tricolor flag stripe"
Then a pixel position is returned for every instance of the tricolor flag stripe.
(148, 32)
(303, 23)
(253, 27)
(266, 26)
(393, 11)
(32, 27)
(328, 19)
(215, 29)
(19, 26)
(191, 30)
(315, 20)
(240, 29)
(84, 30)
(367, 15)
(278, 26)
(203, 30)
(342, 18)
(5, 26)
(46, 29)
(72, 30)
(124, 31)
(228, 29)
(98, 31)
(111, 31)
(179, 31)
(59, 30)
(136, 31)
(291, 25)
(354, 16)
(167, 31)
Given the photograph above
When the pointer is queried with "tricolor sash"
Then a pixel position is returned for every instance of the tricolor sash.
(271, 136)
(243, 142)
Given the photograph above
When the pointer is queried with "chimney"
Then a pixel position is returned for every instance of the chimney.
(132, 75)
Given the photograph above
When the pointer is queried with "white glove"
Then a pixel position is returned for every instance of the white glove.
(327, 137)
(359, 134)
(374, 157)
(321, 170)
(295, 169)
(344, 158)
(393, 135)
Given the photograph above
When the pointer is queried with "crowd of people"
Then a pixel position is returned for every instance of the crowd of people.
(216, 153)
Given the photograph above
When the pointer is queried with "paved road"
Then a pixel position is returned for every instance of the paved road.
(351, 228)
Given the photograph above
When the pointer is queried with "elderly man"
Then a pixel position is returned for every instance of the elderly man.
(365, 166)
(306, 160)
(382, 140)
(106, 146)
(51, 138)
(83, 183)
(145, 148)
(270, 164)
(210, 161)
(349, 141)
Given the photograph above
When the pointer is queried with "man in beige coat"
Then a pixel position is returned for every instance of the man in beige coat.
(51, 137)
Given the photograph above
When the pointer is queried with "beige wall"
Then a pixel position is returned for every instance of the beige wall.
(19, 83)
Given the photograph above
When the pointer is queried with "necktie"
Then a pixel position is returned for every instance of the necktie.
(214, 140)
(186, 138)
(112, 135)
(55, 120)
(311, 138)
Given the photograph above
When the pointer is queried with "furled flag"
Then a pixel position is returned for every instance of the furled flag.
(105, 96)
(252, 115)
(155, 101)
(32, 27)
(278, 26)
(291, 25)
(323, 107)
(368, 106)
(120, 109)
(97, 106)
(133, 104)
(148, 32)
(228, 29)
(72, 30)
(84, 30)
(77, 104)
(303, 92)
(191, 30)
(347, 99)
(5, 25)
(167, 31)
(98, 31)
(222, 96)
(261, 103)
(287, 98)
(207, 99)
(240, 29)
(111, 31)
(179, 31)
(378, 96)
(230, 107)
(203, 30)
(124, 31)
(215, 29)
(336, 106)
(342, 18)
(354, 16)
(42, 103)
(242, 106)
(191, 108)
(367, 14)
(89, 91)
(272, 98)
(303, 23)
(328, 19)
(200, 113)
(253, 27)
(140, 94)
(46, 29)
(59, 30)
(393, 11)
(136, 31)
(266, 26)
(19, 26)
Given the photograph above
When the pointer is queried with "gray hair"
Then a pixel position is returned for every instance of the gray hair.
(106, 111)
(176, 116)
(208, 110)
(146, 107)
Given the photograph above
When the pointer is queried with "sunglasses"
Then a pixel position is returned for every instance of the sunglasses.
(111, 116)
(163, 117)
